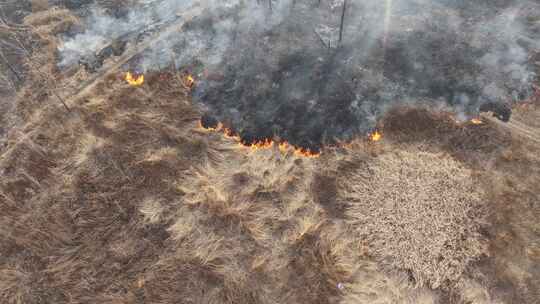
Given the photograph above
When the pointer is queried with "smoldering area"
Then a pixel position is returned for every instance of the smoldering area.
(278, 69)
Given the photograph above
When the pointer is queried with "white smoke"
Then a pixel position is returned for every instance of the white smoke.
(460, 53)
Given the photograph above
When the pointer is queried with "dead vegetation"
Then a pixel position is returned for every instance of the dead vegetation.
(127, 200)
(419, 211)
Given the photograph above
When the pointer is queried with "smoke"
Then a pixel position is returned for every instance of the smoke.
(277, 68)
(102, 28)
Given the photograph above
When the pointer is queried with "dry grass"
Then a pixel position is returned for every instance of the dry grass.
(127, 200)
(419, 211)
(39, 5)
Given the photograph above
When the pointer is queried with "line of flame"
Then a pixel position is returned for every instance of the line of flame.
(476, 121)
(283, 146)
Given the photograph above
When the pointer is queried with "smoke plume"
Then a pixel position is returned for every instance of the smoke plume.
(310, 72)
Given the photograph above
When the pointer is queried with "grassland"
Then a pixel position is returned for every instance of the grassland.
(126, 199)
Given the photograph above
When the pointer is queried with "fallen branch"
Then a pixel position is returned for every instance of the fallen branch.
(321, 40)
(61, 100)
(11, 68)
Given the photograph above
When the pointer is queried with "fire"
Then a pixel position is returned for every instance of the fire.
(306, 153)
(263, 144)
(228, 133)
(134, 81)
(375, 136)
(188, 81)
(216, 128)
(284, 147)
(476, 121)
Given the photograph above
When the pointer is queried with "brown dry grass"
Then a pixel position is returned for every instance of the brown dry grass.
(127, 200)
(39, 5)
(419, 211)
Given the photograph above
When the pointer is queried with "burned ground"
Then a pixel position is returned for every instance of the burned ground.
(126, 199)
(285, 80)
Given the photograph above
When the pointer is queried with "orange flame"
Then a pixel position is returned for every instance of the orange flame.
(134, 81)
(217, 128)
(268, 143)
(284, 147)
(263, 144)
(188, 81)
(228, 133)
(375, 136)
(306, 153)
(476, 121)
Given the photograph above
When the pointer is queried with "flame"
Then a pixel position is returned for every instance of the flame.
(306, 153)
(188, 81)
(263, 144)
(476, 121)
(228, 133)
(217, 128)
(375, 136)
(134, 81)
(284, 147)
(268, 143)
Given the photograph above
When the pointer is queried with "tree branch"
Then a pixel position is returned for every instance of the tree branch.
(342, 20)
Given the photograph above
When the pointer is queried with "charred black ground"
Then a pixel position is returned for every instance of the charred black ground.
(293, 80)
(291, 70)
